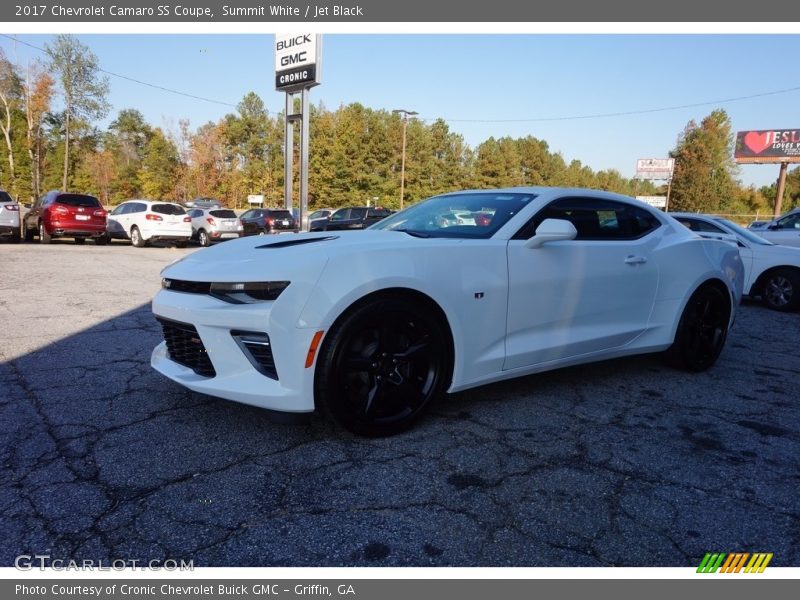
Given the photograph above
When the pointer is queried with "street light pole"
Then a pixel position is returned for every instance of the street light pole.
(406, 114)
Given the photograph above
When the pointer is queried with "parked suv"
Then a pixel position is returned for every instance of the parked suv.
(143, 221)
(9, 218)
(258, 221)
(214, 224)
(62, 214)
(204, 203)
(352, 217)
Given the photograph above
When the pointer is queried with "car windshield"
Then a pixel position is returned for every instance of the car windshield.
(748, 235)
(467, 215)
(168, 209)
(78, 200)
(225, 213)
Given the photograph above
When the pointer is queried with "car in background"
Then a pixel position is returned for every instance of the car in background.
(204, 203)
(9, 218)
(261, 221)
(145, 221)
(784, 230)
(371, 327)
(214, 225)
(352, 217)
(65, 215)
(758, 224)
(318, 217)
(771, 271)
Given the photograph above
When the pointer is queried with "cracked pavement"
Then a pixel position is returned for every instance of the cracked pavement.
(626, 463)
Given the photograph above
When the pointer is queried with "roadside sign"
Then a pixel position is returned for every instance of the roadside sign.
(655, 168)
(655, 201)
(296, 61)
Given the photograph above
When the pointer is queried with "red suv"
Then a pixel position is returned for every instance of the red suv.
(60, 214)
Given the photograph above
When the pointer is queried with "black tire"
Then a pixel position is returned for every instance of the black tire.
(382, 365)
(44, 237)
(102, 240)
(136, 238)
(27, 233)
(262, 232)
(15, 236)
(181, 244)
(80, 240)
(203, 239)
(780, 290)
(702, 330)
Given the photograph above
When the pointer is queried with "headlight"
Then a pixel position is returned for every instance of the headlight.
(249, 292)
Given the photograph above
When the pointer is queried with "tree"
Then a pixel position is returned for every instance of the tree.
(82, 86)
(10, 93)
(705, 174)
(38, 93)
(159, 166)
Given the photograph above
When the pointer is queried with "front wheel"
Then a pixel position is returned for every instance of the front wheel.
(102, 240)
(702, 330)
(382, 366)
(781, 290)
(15, 236)
(181, 244)
(28, 234)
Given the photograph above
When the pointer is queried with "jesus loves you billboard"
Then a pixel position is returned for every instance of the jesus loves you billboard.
(768, 146)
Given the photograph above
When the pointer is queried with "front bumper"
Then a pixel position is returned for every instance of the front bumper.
(235, 377)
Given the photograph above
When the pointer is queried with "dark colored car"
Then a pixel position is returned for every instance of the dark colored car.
(258, 221)
(61, 214)
(352, 217)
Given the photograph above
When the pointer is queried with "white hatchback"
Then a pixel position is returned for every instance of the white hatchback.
(143, 221)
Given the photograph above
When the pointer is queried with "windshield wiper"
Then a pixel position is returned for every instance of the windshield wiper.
(412, 232)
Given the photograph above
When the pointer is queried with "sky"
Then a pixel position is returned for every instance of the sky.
(482, 85)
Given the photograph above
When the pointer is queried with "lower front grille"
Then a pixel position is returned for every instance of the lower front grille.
(186, 348)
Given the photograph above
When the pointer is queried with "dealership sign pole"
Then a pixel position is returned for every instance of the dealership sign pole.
(297, 70)
(769, 146)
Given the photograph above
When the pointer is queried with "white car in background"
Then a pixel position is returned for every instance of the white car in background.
(771, 271)
(372, 326)
(784, 230)
(144, 221)
(214, 225)
(9, 218)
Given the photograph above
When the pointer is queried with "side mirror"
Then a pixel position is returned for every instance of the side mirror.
(552, 230)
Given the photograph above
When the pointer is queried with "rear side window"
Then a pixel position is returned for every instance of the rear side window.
(357, 213)
(78, 200)
(168, 209)
(223, 214)
(702, 226)
(378, 212)
(4, 197)
(281, 214)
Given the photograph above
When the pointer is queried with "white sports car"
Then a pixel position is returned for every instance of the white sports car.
(771, 271)
(372, 326)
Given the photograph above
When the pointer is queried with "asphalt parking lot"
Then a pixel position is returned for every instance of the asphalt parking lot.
(624, 463)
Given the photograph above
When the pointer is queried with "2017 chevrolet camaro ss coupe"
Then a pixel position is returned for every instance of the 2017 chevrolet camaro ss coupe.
(371, 326)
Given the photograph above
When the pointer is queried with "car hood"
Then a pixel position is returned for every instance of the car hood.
(283, 256)
(789, 253)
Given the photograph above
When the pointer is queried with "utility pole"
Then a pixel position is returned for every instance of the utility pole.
(406, 114)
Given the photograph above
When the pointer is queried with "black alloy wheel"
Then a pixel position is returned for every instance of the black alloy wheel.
(702, 330)
(382, 366)
(781, 290)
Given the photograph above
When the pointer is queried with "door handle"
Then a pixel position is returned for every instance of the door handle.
(635, 260)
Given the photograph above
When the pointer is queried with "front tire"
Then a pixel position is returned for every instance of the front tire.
(15, 236)
(80, 240)
(102, 240)
(702, 330)
(136, 238)
(203, 239)
(27, 233)
(382, 366)
(780, 290)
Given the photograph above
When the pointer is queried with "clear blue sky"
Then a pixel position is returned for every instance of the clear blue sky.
(467, 77)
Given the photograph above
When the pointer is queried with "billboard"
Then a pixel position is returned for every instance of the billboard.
(768, 146)
(655, 201)
(655, 168)
(296, 60)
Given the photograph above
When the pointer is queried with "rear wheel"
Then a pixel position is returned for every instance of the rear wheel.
(702, 330)
(44, 237)
(780, 290)
(202, 238)
(382, 366)
(136, 238)
(28, 234)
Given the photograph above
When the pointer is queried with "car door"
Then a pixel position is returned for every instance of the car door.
(586, 295)
(786, 231)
